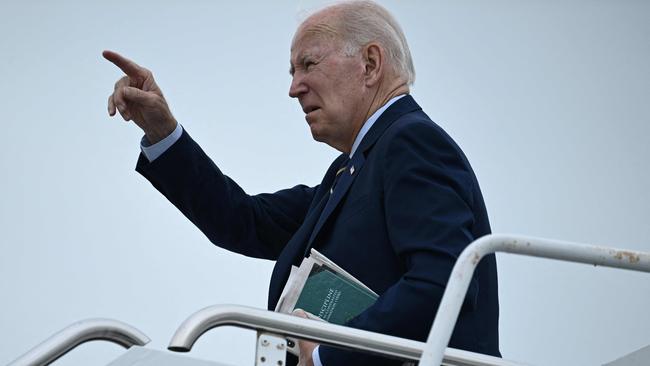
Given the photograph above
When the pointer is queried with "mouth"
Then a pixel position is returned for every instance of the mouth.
(309, 108)
(309, 113)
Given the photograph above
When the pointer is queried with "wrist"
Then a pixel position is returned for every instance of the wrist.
(160, 131)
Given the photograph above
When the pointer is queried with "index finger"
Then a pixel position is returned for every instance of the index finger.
(129, 67)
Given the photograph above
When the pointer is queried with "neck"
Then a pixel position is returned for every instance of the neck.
(380, 97)
(378, 102)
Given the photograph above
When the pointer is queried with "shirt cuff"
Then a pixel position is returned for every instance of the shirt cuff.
(315, 357)
(152, 152)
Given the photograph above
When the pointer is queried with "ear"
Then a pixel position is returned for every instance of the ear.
(374, 57)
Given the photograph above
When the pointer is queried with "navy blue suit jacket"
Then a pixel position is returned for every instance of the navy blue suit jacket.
(397, 222)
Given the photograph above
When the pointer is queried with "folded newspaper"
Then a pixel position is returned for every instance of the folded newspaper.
(324, 291)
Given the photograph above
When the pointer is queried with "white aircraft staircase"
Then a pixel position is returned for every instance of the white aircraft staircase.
(273, 328)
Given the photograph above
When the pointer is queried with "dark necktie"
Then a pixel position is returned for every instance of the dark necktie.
(339, 172)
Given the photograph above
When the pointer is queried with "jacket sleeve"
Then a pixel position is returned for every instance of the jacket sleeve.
(427, 188)
(257, 226)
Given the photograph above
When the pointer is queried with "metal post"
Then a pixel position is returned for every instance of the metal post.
(463, 270)
(81, 332)
(291, 326)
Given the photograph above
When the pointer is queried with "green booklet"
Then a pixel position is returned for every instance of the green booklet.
(325, 292)
(332, 297)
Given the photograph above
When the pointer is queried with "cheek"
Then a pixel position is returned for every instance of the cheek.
(342, 104)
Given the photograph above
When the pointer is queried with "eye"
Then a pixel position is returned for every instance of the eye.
(308, 64)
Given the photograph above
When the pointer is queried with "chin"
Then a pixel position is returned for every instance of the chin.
(315, 134)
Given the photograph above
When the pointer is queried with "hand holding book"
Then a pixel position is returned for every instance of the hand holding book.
(324, 291)
(306, 348)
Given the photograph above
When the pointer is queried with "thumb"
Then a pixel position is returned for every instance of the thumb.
(299, 313)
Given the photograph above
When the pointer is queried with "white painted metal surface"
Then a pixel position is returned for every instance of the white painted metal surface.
(462, 272)
(640, 357)
(81, 332)
(138, 356)
(271, 350)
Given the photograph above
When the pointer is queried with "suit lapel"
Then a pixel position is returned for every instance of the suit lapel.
(293, 252)
(342, 187)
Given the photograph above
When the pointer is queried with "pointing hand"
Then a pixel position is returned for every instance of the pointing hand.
(137, 97)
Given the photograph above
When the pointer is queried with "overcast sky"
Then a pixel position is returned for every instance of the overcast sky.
(549, 100)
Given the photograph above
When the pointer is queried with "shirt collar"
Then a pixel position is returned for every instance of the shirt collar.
(371, 121)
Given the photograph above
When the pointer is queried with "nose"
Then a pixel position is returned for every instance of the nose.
(297, 87)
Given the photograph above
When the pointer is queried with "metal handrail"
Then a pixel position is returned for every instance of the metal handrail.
(261, 320)
(80, 332)
(463, 270)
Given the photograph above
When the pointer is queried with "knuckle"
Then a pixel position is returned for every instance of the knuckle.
(158, 102)
(146, 75)
(123, 80)
(117, 95)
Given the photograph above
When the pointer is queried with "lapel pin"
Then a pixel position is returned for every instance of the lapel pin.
(352, 170)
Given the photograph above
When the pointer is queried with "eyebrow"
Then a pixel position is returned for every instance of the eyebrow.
(301, 60)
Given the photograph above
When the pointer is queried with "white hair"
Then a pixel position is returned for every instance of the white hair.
(359, 23)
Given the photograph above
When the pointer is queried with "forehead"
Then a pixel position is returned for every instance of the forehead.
(317, 31)
(311, 40)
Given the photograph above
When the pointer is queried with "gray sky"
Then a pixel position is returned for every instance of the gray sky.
(549, 100)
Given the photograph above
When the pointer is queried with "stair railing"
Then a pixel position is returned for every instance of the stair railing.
(80, 332)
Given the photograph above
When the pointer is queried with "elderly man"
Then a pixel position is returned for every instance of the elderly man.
(395, 209)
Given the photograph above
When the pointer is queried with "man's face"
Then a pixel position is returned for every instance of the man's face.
(329, 86)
